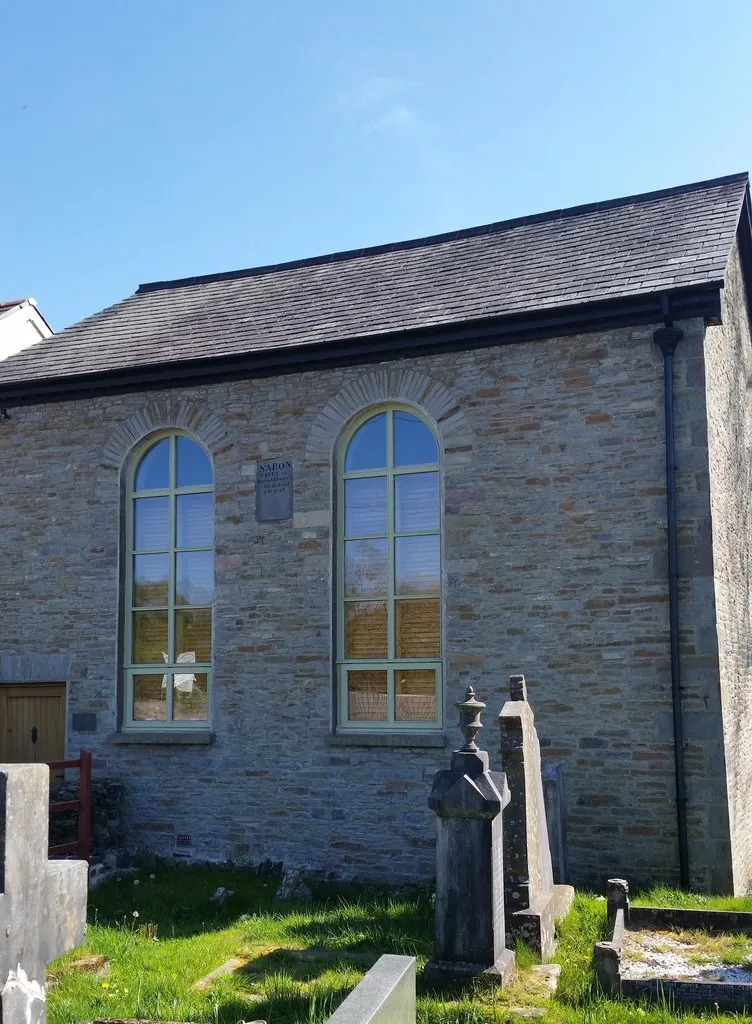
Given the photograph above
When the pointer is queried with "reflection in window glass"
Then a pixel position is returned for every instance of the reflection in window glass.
(193, 635)
(365, 506)
(150, 580)
(367, 450)
(151, 519)
(149, 698)
(416, 502)
(415, 691)
(170, 581)
(389, 574)
(414, 442)
(149, 637)
(365, 568)
(195, 520)
(366, 629)
(154, 469)
(193, 465)
(190, 700)
(417, 629)
(367, 696)
(194, 577)
(417, 565)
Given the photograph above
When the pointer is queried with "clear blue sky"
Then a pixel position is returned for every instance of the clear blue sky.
(151, 139)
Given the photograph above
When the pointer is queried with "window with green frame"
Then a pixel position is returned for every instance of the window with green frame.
(169, 586)
(389, 574)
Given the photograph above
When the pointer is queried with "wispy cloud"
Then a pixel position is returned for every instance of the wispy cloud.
(375, 91)
(396, 117)
(382, 104)
(388, 114)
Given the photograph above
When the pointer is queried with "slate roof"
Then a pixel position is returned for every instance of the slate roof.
(652, 243)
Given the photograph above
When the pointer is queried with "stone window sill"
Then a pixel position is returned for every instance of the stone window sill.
(386, 739)
(170, 737)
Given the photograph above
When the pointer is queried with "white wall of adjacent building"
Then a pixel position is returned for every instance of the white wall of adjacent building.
(21, 326)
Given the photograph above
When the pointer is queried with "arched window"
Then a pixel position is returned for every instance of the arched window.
(169, 586)
(389, 574)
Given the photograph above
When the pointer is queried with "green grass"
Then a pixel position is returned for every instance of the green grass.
(163, 934)
(662, 897)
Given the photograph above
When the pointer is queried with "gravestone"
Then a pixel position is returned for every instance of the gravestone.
(42, 902)
(386, 995)
(553, 798)
(468, 800)
(532, 901)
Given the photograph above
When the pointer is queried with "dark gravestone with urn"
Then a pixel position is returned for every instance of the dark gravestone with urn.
(468, 800)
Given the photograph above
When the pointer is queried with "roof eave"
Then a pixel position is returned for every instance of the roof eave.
(701, 301)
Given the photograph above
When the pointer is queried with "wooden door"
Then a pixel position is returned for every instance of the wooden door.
(32, 723)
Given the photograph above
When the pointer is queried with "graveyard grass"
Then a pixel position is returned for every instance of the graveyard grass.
(161, 933)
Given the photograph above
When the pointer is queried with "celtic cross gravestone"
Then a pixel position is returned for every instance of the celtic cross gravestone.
(42, 902)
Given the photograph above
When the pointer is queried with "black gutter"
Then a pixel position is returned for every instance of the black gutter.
(587, 318)
(667, 338)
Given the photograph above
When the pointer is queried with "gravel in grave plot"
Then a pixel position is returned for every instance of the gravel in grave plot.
(687, 956)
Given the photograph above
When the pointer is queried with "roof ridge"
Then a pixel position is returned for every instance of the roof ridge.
(496, 227)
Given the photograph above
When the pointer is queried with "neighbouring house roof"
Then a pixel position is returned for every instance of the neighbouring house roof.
(10, 304)
(21, 326)
(545, 274)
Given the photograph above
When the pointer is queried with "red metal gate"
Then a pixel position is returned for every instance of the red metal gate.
(82, 847)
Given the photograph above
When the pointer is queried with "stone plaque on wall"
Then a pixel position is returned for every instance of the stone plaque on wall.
(274, 490)
(84, 721)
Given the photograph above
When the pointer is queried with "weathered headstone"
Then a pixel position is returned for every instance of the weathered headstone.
(42, 902)
(468, 800)
(553, 798)
(532, 900)
(608, 954)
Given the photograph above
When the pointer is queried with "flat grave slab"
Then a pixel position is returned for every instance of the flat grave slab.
(681, 956)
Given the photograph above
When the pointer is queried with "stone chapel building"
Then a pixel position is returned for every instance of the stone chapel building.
(259, 530)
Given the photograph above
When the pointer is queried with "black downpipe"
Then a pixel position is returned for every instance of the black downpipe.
(667, 338)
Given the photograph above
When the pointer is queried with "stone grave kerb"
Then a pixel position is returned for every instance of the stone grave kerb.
(532, 900)
(42, 902)
(468, 801)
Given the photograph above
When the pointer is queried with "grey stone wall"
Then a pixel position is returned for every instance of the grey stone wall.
(704, 758)
(728, 361)
(554, 544)
(107, 832)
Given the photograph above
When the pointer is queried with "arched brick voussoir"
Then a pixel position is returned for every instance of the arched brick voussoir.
(164, 414)
(377, 386)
